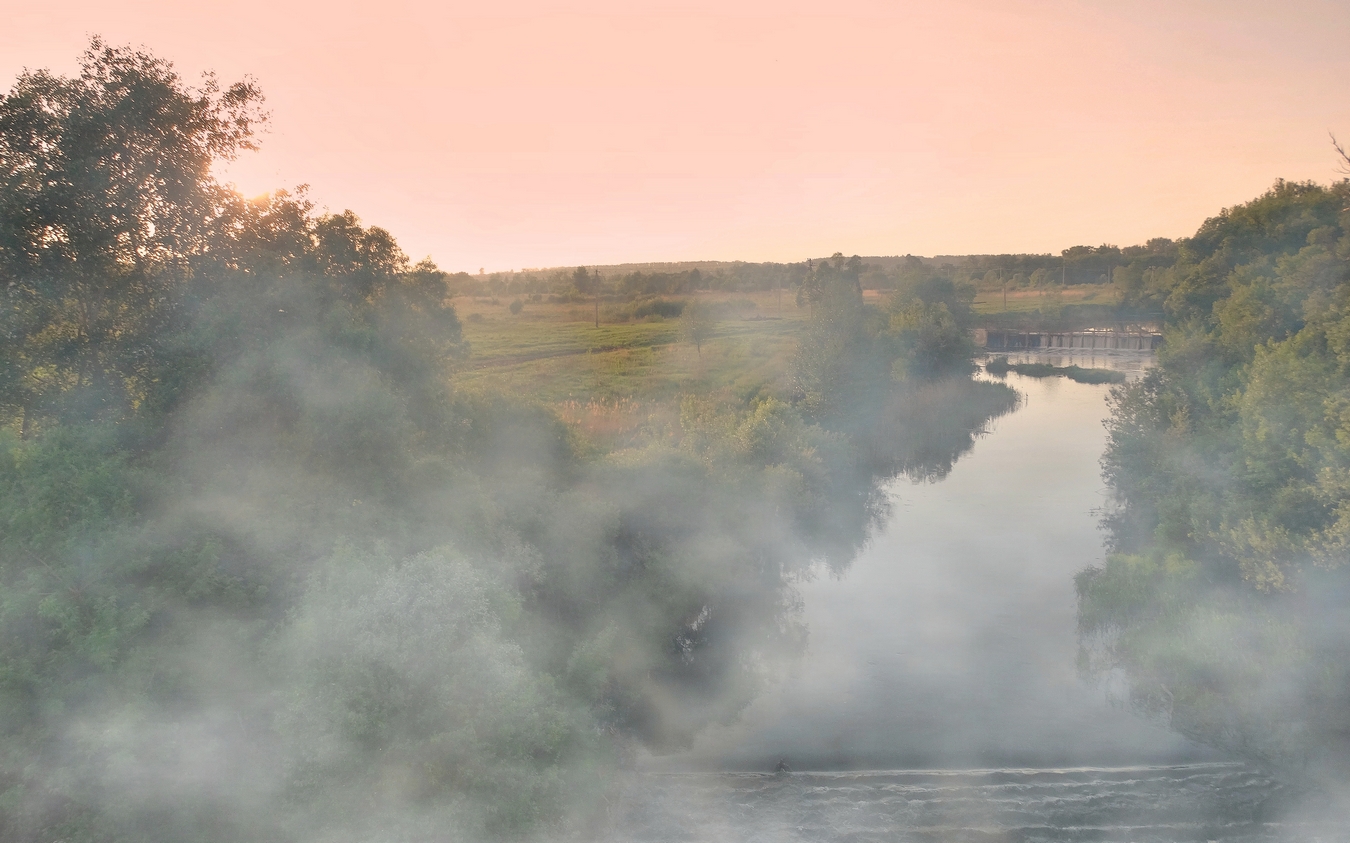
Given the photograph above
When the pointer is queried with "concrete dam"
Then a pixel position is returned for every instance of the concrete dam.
(1093, 339)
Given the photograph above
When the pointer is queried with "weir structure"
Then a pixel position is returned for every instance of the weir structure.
(1099, 339)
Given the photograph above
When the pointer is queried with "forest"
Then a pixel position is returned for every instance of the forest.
(266, 573)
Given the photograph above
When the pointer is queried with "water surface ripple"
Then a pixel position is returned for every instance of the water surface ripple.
(1228, 802)
(940, 689)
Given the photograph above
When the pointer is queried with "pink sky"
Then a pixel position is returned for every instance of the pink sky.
(532, 133)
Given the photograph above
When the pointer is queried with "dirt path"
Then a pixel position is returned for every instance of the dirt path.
(513, 359)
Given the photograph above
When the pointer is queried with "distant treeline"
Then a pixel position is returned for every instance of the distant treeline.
(1126, 267)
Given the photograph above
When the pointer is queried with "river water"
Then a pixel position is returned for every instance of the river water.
(939, 698)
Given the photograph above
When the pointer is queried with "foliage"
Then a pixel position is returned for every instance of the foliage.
(404, 695)
(1233, 456)
(696, 324)
(664, 308)
(837, 353)
(931, 322)
(104, 196)
(1218, 664)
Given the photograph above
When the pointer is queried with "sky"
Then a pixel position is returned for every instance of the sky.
(532, 133)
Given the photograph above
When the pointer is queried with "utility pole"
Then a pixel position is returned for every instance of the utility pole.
(597, 298)
(1005, 290)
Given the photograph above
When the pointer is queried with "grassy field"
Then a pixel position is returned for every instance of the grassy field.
(555, 353)
(620, 377)
(990, 299)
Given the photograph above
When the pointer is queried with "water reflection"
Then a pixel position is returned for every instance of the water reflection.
(1132, 363)
(950, 641)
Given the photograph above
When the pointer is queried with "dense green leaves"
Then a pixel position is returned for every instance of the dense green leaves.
(1230, 460)
(105, 194)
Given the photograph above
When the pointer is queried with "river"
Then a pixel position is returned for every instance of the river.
(939, 697)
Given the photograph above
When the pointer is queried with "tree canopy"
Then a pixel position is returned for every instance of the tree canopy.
(107, 198)
(1230, 463)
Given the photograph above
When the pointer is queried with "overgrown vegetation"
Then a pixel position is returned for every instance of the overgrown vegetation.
(268, 574)
(1225, 602)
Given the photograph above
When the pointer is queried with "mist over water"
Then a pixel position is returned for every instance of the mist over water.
(939, 697)
(950, 641)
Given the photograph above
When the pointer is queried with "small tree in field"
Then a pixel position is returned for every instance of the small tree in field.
(696, 324)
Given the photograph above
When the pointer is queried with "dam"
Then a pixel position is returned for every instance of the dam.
(1093, 339)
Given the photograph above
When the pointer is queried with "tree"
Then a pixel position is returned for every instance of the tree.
(105, 192)
(363, 259)
(588, 285)
(581, 279)
(696, 324)
(1230, 468)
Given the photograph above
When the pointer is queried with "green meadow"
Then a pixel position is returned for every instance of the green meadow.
(554, 352)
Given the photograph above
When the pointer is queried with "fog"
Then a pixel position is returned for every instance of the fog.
(272, 568)
(950, 642)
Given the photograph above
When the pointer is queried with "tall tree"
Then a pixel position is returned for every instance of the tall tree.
(105, 192)
(696, 324)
